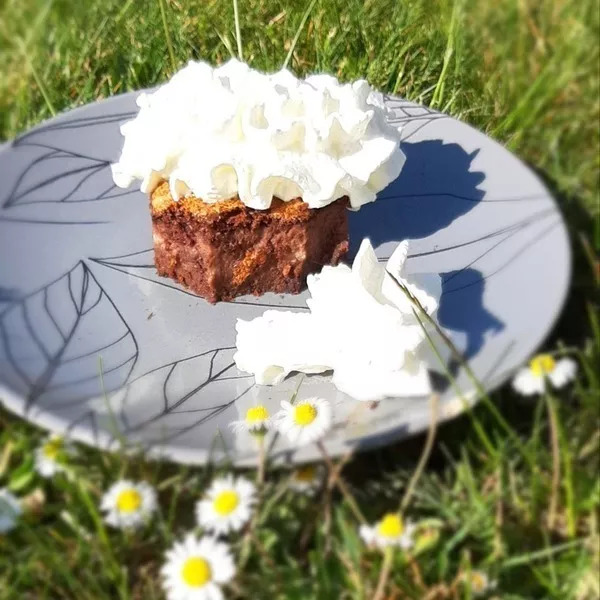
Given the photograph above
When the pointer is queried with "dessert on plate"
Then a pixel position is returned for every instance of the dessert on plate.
(225, 249)
(361, 327)
(250, 175)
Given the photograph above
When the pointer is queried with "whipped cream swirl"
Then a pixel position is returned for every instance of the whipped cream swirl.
(218, 132)
(361, 326)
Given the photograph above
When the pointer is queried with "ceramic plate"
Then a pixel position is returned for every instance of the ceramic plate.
(79, 294)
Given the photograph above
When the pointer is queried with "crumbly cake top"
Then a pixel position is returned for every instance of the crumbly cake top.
(161, 200)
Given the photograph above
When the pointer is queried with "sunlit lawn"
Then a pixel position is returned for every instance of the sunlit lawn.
(526, 73)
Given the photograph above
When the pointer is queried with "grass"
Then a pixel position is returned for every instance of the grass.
(523, 71)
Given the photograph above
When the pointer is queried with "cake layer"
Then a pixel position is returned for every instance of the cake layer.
(225, 249)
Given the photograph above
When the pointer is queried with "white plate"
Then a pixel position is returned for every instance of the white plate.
(77, 283)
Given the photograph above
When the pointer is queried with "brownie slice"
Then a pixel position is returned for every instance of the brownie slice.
(225, 249)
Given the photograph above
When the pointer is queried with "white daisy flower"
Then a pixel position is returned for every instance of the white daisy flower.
(51, 456)
(532, 379)
(307, 479)
(128, 504)
(10, 509)
(391, 530)
(196, 568)
(257, 421)
(306, 421)
(478, 582)
(227, 505)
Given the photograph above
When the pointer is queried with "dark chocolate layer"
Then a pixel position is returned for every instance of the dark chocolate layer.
(224, 250)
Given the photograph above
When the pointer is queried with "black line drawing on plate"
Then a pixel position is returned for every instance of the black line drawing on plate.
(62, 328)
(192, 379)
(73, 123)
(514, 256)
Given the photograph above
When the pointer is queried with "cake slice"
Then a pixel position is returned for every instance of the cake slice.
(250, 174)
(225, 249)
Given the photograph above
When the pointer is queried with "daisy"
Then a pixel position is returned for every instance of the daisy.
(478, 582)
(227, 505)
(51, 456)
(532, 379)
(195, 569)
(307, 479)
(257, 421)
(390, 531)
(128, 504)
(306, 421)
(10, 509)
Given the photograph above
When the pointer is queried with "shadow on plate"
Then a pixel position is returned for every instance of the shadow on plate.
(435, 187)
(462, 309)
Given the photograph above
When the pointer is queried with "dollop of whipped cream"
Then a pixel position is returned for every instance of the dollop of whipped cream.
(361, 326)
(218, 132)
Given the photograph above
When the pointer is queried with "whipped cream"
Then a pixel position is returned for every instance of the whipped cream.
(361, 326)
(218, 132)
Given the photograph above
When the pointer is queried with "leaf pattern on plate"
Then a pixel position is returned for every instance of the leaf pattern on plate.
(55, 164)
(70, 123)
(81, 179)
(7, 297)
(51, 341)
(177, 396)
(494, 239)
(410, 117)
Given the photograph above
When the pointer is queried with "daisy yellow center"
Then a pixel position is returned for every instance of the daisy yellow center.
(305, 474)
(304, 414)
(196, 571)
(129, 501)
(256, 414)
(390, 526)
(52, 448)
(226, 502)
(477, 582)
(542, 365)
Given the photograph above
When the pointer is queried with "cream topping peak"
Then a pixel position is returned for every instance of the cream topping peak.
(218, 132)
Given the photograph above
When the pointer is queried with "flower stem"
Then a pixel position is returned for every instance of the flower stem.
(482, 394)
(260, 471)
(384, 574)
(250, 535)
(466, 405)
(433, 405)
(113, 423)
(567, 461)
(341, 484)
(416, 572)
(554, 443)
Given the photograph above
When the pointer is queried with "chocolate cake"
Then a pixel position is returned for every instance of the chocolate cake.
(225, 249)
